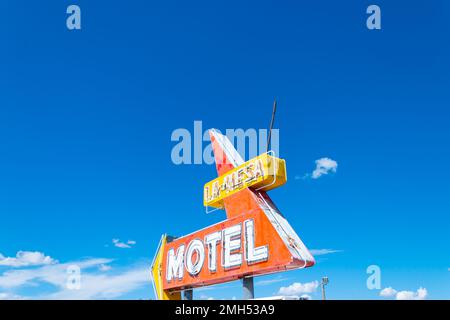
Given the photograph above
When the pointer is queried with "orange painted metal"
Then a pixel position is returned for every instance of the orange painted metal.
(280, 258)
(241, 202)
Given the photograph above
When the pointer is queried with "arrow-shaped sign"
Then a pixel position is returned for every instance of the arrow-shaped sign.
(255, 238)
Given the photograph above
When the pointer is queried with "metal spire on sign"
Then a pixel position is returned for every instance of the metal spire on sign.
(269, 138)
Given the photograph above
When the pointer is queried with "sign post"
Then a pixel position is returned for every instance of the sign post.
(188, 294)
(255, 239)
(249, 290)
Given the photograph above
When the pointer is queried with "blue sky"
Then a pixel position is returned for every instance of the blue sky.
(86, 118)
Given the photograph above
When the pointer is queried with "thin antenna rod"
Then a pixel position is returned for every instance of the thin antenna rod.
(269, 138)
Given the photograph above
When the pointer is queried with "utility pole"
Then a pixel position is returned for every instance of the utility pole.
(323, 284)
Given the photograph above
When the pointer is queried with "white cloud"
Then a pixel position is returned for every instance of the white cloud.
(26, 258)
(324, 166)
(388, 292)
(104, 286)
(104, 267)
(321, 252)
(123, 245)
(420, 294)
(55, 274)
(95, 284)
(9, 296)
(297, 288)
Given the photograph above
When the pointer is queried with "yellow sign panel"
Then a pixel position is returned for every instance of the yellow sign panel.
(156, 269)
(264, 172)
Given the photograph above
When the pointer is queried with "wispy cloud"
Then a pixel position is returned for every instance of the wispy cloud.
(104, 267)
(55, 274)
(106, 286)
(321, 252)
(9, 296)
(267, 282)
(94, 283)
(26, 258)
(124, 245)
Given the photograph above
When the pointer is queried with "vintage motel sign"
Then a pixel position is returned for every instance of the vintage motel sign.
(255, 238)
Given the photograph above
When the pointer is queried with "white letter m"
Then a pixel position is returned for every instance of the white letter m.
(175, 264)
